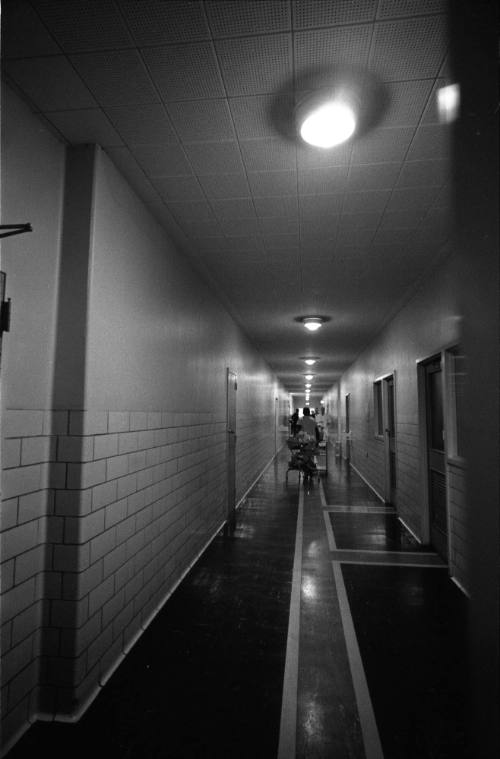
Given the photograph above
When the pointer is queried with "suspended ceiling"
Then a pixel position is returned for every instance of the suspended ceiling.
(193, 102)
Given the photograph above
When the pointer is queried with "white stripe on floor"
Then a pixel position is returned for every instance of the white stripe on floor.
(371, 738)
(288, 723)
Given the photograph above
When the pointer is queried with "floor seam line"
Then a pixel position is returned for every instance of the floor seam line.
(369, 729)
(288, 720)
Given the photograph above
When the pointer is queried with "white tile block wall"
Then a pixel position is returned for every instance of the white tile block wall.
(102, 514)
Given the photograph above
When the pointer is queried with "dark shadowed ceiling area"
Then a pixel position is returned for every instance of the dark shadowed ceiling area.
(194, 102)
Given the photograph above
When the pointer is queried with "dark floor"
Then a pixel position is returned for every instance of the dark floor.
(206, 679)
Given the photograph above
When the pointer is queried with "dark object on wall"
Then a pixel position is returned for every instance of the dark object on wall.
(15, 229)
(4, 306)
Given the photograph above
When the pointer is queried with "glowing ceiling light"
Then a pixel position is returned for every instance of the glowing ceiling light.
(310, 361)
(326, 124)
(448, 102)
(312, 323)
(308, 384)
(308, 376)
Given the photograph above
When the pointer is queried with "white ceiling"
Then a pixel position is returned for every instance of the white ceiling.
(193, 101)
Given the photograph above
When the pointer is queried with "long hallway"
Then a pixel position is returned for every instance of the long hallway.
(315, 627)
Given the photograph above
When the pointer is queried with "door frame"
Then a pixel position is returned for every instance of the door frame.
(231, 438)
(390, 496)
(423, 442)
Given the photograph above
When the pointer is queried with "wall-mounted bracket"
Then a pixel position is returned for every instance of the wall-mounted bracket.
(15, 229)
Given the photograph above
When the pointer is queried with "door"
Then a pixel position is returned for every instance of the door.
(232, 387)
(389, 439)
(436, 471)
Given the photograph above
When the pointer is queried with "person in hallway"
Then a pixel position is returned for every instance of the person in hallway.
(308, 424)
(308, 435)
(294, 420)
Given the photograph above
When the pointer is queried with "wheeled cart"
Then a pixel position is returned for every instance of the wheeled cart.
(303, 457)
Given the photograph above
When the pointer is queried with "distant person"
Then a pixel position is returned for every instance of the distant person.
(307, 424)
(294, 420)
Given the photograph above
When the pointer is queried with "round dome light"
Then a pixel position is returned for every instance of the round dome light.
(312, 323)
(328, 124)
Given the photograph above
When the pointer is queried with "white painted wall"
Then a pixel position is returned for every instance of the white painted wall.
(428, 324)
(113, 420)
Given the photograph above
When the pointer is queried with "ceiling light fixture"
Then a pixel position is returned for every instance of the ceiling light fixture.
(327, 119)
(308, 376)
(312, 323)
(308, 384)
(310, 361)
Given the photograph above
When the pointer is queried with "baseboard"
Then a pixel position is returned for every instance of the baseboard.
(380, 497)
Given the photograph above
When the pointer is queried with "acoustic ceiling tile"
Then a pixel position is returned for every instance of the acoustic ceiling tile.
(350, 222)
(241, 244)
(320, 52)
(371, 201)
(87, 26)
(115, 77)
(219, 245)
(225, 186)
(326, 226)
(394, 236)
(89, 125)
(356, 237)
(262, 116)
(424, 173)
(382, 145)
(417, 198)
(215, 157)
(184, 72)
(307, 14)
(127, 165)
(245, 227)
(230, 19)
(397, 8)
(430, 142)
(162, 160)
(204, 228)
(202, 120)
(444, 198)
(284, 206)
(323, 181)
(319, 208)
(142, 125)
(438, 219)
(409, 219)
(268, 155)
(279, 226)
(27, 35)
(187, 211)
(406, 102)
(273, 183)
(255, 65)
(51, 83)
(410, 48)
(377, 176)
(236, 208)
(156, 22)
(178, 188)
(316, 244)
(287, 242)
(309, 157)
